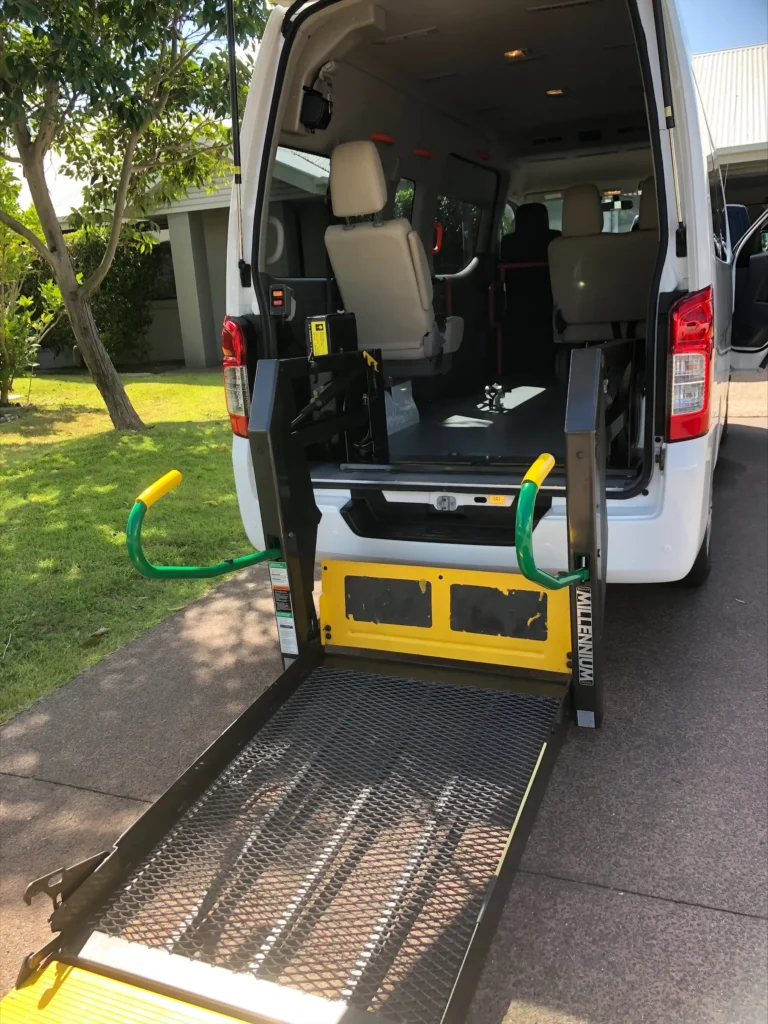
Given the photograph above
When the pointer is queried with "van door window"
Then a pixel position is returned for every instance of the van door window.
(406, 191)
(298, 215)
(719, 212)
(464, 212)
(507, 220)
(461, 230)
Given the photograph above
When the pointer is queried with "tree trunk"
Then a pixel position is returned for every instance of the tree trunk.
(121, 412)
(105, 376)
(5, 374)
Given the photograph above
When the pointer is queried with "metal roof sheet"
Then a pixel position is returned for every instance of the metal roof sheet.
(733, 89)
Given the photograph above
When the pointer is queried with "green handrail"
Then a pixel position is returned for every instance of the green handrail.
(145, 500)
(526, 501)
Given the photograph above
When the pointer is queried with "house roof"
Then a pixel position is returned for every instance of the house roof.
(733, 90)
(296, 173)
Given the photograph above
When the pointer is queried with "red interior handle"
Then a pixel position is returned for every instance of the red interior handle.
(438, 229)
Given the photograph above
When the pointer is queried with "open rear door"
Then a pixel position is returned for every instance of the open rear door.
(749, 336)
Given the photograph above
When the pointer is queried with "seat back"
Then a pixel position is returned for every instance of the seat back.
(601, 282)
(524, 339)
(380, 267)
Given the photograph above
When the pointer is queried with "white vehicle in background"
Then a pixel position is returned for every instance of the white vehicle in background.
(547, 167)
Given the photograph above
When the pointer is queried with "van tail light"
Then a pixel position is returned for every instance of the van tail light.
(235, 370)
(692, 332)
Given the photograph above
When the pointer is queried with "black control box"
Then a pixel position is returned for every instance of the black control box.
(330, 333)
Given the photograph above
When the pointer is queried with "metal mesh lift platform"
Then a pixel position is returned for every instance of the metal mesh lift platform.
(341, 853)
(349, 848)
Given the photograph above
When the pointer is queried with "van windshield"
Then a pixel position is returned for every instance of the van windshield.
(620, 209)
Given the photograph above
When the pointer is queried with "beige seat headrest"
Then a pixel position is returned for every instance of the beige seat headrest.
(648, 217)
(358, 187)
(582, 214)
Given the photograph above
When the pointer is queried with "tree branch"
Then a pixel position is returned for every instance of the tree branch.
(183, 153)
(186, 54)
(93, 282)
(10, 159)
(48, 124)
(29, 236)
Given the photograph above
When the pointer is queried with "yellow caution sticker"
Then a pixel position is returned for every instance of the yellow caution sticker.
(374, 363)
(497, 499)
(318, 336)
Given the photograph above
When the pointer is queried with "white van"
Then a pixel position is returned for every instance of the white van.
(487, 186)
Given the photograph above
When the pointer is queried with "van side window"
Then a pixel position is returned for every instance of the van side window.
(461, 230)
(406, 190)
(719, 213)
(465, 203)
(507, 220)
(298, 214)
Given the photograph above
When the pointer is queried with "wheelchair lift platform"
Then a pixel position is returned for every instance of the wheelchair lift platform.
(343, 851)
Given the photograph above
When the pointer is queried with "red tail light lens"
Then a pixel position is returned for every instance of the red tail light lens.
(236, 389)
(692, 331)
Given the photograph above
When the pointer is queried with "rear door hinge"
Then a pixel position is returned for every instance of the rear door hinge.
(660, 457)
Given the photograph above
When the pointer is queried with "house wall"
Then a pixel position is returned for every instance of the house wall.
(164, 342)
(215, 223)
(199, 246)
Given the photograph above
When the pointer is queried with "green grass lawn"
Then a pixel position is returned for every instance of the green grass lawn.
(67, 483)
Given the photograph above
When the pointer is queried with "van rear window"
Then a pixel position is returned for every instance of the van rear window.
(298, 214)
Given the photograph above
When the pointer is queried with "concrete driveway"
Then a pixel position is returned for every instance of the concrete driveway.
(642, 894)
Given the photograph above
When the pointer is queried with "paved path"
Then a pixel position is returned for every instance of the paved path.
(642, 894)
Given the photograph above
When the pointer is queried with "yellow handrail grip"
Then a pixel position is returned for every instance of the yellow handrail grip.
(160, 487)
(540, 470)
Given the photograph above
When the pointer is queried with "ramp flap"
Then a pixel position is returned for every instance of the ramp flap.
(347, 852)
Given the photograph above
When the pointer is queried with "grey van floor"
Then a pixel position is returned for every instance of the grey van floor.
(532, 422)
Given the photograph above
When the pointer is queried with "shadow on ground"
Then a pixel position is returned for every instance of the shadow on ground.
(67, 574)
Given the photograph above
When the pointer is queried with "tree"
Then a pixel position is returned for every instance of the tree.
(133, 98)
(122, 307)
(24, 321)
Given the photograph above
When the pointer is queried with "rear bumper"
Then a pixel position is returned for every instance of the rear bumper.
(653, 538)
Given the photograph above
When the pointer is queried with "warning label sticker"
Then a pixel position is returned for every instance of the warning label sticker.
(281, 595)
(319, 337)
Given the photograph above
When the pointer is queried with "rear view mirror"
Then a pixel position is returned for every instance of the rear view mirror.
(616, 204)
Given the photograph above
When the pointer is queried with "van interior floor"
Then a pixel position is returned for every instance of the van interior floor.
(531, 421)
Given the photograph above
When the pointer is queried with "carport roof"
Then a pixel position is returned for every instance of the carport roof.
(733, 90)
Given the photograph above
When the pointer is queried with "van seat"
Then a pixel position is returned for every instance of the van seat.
(382, 271)
(601, 282)
(521, 299)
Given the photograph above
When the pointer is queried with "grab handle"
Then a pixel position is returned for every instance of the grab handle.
(145, 500)
(526, 501)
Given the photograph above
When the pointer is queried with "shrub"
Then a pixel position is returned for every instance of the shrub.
(121, 306)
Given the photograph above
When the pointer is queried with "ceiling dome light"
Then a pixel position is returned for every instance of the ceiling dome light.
(555, 92)
(523, 53)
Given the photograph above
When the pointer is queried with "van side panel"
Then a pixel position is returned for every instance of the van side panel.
(241, 300)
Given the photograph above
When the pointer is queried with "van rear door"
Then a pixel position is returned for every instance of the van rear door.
(749, 334)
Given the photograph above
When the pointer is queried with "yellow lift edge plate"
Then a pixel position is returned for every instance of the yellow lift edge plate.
(71, 995)
(365, 604)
